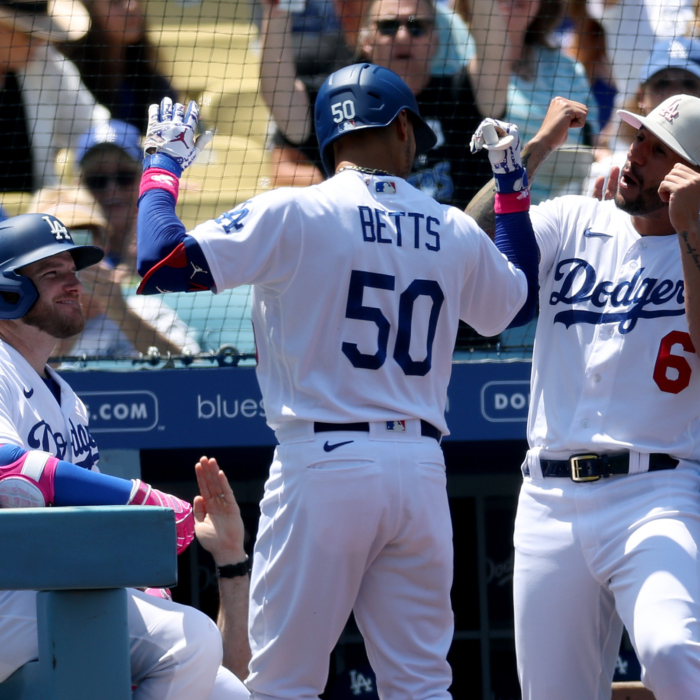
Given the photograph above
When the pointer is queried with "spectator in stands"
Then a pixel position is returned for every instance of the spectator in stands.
(109, 157)
(539, 72)
(318, 44)
(43, 104)
(116, 325)
(324, 38)
(400, 35)
(632, 27)
(454, 44)
(584, 41)
(118, 62)
(673, 68)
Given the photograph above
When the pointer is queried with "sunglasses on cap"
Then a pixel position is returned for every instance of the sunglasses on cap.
(123, 178)
(414, 26)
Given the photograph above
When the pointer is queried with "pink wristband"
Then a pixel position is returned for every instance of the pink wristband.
(159, 179)
(512, 203)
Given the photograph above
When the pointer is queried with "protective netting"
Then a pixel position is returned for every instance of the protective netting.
(71, 129)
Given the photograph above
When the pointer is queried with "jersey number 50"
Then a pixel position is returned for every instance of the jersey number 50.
(680, 368)
(355, 309)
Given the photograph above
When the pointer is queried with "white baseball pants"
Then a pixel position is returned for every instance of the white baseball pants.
(590, 557)
(364, 526)
(175, 650)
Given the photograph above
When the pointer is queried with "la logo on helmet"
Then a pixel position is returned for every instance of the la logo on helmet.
(58, 230)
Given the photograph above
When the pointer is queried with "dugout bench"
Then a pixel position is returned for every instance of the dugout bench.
(81, 559)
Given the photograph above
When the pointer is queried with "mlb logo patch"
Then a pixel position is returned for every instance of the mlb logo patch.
(385, 187)
(397, 426)
(346, 126)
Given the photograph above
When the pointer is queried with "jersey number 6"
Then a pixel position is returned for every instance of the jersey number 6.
(355, 309)
(680, 366)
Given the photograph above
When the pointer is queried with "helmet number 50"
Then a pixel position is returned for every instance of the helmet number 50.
(343, 110)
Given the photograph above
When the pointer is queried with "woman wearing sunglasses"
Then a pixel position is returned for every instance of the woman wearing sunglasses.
(400, 35)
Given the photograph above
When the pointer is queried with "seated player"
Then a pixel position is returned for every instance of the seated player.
(49, 458)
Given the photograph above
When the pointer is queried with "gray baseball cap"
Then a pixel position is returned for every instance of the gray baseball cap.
(676, 122)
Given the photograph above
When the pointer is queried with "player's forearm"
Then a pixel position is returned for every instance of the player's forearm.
(286, 97)
(481, 208)
(158, 229)
(167, 258)
(690, 256)
(33, 478)
(233, 623)
(61, 483)
(515, 238)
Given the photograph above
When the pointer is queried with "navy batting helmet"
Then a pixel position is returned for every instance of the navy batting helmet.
(27, 239)
(364, 96)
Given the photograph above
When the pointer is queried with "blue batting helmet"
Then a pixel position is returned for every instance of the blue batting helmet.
(364, 96)
(27, 239)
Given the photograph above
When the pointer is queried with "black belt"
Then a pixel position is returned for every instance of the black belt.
(426, 429)
(591, 467)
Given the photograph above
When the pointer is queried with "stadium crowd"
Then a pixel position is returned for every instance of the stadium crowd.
(68, 70)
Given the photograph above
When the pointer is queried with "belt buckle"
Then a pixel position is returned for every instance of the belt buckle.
(576, 470)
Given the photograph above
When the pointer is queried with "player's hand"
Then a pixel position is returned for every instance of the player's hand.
(561, 116)
(171, 131)
(610, 186)
(144, 495)
(502, 142)
(217, 518)
(681, 189)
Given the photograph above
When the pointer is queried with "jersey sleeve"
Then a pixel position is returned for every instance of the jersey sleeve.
(494, 290)
(258, 242)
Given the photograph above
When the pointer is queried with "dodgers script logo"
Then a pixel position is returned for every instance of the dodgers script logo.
(42, 437)
(640, 297)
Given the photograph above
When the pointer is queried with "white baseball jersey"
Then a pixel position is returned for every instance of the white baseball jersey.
(612, 323)
(162, 664)
(359, 284)
(31, 417)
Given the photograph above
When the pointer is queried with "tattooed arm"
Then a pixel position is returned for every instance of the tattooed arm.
(681, 189)
(561, 116)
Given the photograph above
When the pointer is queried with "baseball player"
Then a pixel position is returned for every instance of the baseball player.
(608, 521)
(48, 458)
(358, 287)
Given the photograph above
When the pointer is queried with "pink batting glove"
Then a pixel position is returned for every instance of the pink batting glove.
(28, 482)
(144, 495)
(162, 593)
